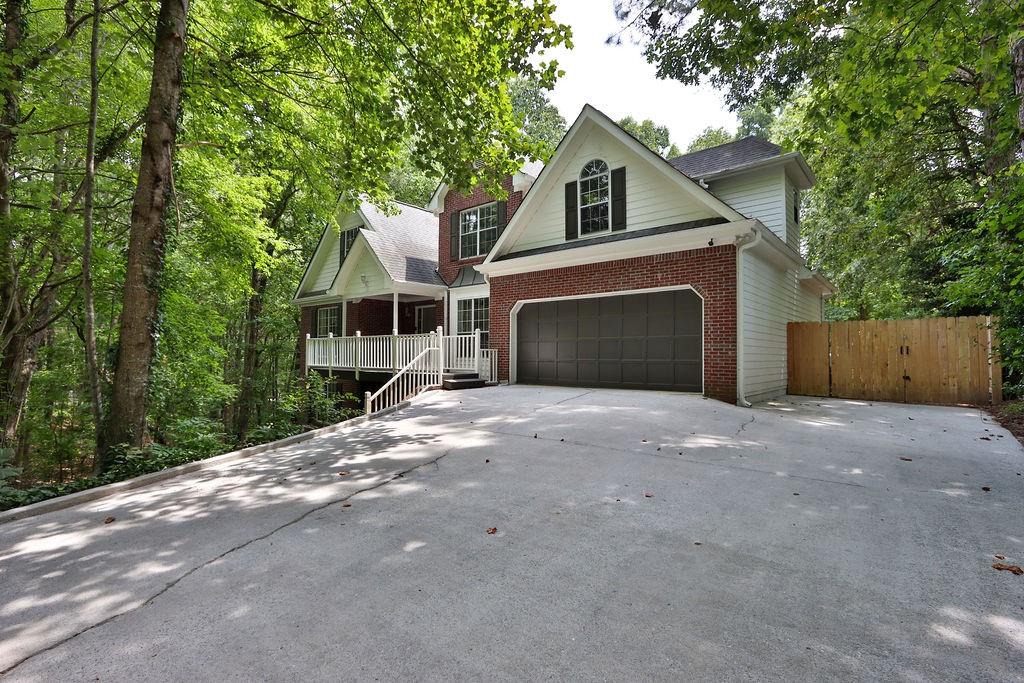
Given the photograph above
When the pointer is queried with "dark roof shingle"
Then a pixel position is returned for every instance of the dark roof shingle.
(406, 244)
(724, 157)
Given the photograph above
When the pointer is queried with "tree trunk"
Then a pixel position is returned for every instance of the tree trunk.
(125, 421)
(258, 282)
(88, 305)
(1017, 61)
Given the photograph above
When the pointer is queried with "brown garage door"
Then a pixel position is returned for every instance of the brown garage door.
(637, 341)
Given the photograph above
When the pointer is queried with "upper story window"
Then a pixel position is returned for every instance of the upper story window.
(326, 321)
(348, 238)
(478, 230)
(595, 200)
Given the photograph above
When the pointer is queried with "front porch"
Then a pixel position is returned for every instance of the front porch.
(390, 353)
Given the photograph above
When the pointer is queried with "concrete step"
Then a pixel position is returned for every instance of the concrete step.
(467, 383)
(462, 374)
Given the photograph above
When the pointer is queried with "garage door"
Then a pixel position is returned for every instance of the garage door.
(641, 341)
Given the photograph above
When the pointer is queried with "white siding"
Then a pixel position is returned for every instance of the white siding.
(771, 297)
(760, 195)
(366, 266)
(652, 200)
(325, 263)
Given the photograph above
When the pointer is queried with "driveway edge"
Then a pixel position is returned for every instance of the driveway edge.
(107, 490)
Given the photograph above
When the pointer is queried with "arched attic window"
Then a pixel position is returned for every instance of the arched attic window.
(595, 197)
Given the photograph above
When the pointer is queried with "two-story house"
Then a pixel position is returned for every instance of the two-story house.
(608, 267)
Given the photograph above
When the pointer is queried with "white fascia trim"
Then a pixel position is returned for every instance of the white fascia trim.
(457, 294)
(681, 240)
(523, 215)
(816, 282)
(513, 322)
(782, 160)
(773, 249)
(436, 203)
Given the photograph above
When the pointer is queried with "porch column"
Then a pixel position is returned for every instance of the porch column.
(394, 314)
(344, 318)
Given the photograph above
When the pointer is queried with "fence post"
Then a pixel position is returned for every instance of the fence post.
(394, 351)
(366, 403)
(330, 356)
(477, 351)
(355, 354)
(440, 354)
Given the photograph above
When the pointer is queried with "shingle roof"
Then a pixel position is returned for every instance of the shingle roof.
(724, 157)
(406, 243)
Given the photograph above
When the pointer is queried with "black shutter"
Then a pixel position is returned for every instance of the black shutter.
(619, 198)
(571, 212)
(454, 236)
(502, 217)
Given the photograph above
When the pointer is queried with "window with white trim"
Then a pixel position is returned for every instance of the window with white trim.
(478, 230)
(474, 314)
(326, 321)
(595, 197)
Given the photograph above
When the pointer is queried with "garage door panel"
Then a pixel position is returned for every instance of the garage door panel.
(635, 340)
(610, 349)
(610, 372)
(588, 327)
(588, 349)
(687, 347)
(659, 348)
(633, 349)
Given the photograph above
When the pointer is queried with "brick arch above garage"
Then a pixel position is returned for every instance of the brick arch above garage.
(711, 272)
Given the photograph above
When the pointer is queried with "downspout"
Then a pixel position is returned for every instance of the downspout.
(743, 243)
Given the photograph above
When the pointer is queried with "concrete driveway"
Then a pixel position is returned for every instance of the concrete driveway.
(638, 535)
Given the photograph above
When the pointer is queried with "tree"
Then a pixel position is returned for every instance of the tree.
(539, 118)
(651, 134)
(710, 137)
(912, 116)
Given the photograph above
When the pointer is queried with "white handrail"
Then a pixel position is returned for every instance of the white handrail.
(422, 372)
(389, 353)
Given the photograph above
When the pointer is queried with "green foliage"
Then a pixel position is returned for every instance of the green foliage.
(710, 137)
(311, 404)
(651, 134)
(907, 113)
(290, 112)
(539, 119)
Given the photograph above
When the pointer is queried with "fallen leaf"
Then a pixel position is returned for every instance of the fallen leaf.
(697, 543)
(535, 436)
(344, 473)
(487, 460)
(1000, 557)
(984, 438)
(1012, 568)
(346, 505)
(907, 459)
(108, 520)
(796, 494)
(493, 530)
(648, 494)
(986, 488)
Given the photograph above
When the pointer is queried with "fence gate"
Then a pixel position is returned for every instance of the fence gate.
(931, 360)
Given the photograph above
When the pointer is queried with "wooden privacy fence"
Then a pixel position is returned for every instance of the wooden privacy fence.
(932, 360)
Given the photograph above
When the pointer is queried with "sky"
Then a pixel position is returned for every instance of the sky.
(618, 80)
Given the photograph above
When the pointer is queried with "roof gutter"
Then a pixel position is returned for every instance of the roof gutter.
(743, 243)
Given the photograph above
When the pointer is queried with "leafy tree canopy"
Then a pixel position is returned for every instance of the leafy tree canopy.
(651, 134)
(710, 137)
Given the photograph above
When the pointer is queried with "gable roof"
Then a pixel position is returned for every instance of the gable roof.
(730, 155)
(590, 114)
(405, 244)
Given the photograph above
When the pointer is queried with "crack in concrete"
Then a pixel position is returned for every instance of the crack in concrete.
(148, 601)
(744, 425)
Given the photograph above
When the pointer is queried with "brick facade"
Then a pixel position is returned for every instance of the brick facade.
(455, 202)
(710, 271)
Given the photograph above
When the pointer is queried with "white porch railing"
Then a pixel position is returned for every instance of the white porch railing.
(421, 373)
(391, 353)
